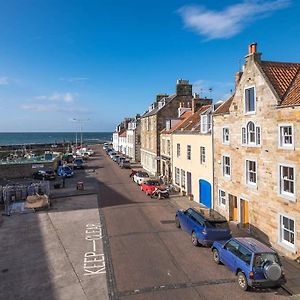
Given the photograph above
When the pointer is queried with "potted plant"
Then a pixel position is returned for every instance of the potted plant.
(191, 197)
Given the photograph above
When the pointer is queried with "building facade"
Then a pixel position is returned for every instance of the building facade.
(153, 121)
(134, 139)
(257, 152)
(192, 156)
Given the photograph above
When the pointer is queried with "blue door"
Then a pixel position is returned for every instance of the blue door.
(205, 193)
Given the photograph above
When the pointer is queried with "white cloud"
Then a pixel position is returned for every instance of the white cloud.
(4, 81)
(230, 21)
(52, 108)
(65, 97)
(74, 79)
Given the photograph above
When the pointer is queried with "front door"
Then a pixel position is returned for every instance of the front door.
(189, 182)
(205, 193)
(244, 205)
(233, 208)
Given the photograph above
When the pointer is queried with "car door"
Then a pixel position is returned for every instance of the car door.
(184, 219)
(229, 254)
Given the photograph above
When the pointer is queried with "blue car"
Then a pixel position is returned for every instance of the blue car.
(204, 226)
(65, 171)
(255, 264)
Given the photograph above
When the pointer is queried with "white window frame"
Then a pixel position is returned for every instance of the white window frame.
(282, 145)
(178, 150)
(188, 153)
(248, 182)
(244, 97)
(286, 244)
(202, 155)
(183, 178)
(177, 176)
(284, 194)
(224, 141)
(223, 167)
(206, 123)
(220, 202)
(245, 136)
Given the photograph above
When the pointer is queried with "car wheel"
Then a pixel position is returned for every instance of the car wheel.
(177, 222)
(194, 239)
(242, 281)
(216, 256)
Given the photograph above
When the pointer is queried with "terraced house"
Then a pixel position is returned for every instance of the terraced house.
(257, 152)
(153, 121)
(192, 154)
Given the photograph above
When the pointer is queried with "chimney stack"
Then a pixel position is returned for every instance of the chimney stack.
(252, 48)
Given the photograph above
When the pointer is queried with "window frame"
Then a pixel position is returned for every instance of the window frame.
(183, 178)
(188, 152)
(286, 244)
(202, 155)
(245, 135)
(225, 142)
(178, 150)
(282, 193)
(249, 183)
(254, 96)
(220, 203)
(280, 144)
(223, 169)
(177, 176)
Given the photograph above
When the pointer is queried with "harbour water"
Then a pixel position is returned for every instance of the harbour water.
(25, 138)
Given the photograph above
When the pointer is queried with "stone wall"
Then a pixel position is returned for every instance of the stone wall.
(266, 204)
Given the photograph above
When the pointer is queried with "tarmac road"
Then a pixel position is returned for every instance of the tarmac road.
(147, 256)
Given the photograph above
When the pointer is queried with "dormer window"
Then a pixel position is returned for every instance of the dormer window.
(205, 123)
(251, 134)
(250, 100)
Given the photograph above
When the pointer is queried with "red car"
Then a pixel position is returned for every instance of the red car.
(149, 186)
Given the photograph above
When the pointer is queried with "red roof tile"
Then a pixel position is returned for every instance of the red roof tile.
(284, 77)
(182, 118)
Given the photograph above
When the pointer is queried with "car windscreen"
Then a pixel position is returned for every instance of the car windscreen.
(67, 169)
(261, 258)
(217, 224)
(152, 182)
(142, 174)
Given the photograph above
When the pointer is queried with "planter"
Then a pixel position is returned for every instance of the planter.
(191, 197)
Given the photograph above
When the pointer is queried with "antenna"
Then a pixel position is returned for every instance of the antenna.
(80, 121)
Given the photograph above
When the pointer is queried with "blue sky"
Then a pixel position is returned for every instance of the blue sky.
(104, 60)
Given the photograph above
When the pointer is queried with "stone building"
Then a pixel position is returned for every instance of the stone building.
(257, 152)
(153, 121)
(192, 155)
(134, 139)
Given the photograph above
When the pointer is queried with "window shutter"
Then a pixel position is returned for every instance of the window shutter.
(243, 136)
(258, 135)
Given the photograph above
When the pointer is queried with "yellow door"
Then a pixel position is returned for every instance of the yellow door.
(246, 213)
(235, 209)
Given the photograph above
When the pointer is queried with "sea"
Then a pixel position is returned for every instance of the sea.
(25, 138)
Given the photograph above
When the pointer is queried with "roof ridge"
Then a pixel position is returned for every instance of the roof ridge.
(280, 62)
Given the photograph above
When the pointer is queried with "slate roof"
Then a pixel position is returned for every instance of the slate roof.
(285, 79)
(157, 109)
(122, 133)
(193, 122)
(224, 107)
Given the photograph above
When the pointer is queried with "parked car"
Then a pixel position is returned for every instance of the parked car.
(205, 225)
(140, 177)
(105, 146)
(119, 159)
(44, 174)
(255, 264)
(133, 172)
(112, 153)
(65, 171)
(115, 157)
(125, 164)
(78, 163)
(149, 186)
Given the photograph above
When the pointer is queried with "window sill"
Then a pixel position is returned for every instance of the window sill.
(289, 197)
(288, 246)
(227, 177)
(251, 185)
(287, 147)
(249, 113)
